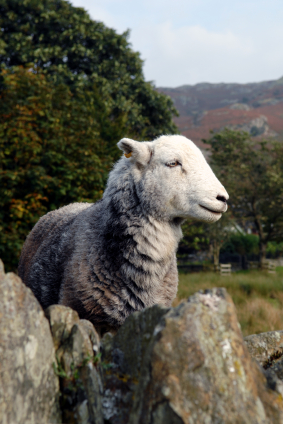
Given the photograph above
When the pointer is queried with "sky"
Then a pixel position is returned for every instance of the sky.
(192, 41)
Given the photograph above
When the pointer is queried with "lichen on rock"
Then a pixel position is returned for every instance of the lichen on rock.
(77, 358)
(193, 368)
(265, 347)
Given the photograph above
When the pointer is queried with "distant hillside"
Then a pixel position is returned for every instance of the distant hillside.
(256, 108)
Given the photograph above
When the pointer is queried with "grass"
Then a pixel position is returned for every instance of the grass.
(258, 296)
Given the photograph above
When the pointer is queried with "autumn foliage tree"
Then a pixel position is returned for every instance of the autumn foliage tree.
(56, 147)
(71, 48)
(70, 89)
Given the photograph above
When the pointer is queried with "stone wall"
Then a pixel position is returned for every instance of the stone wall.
(183, 365)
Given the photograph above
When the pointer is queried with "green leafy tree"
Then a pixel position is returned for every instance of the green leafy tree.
(194, 238)
(70, 89)
(275, 249)
(243, 244)
(202, 237)
(52, 151)
(70, 47)
(218, 233)
(252, 173)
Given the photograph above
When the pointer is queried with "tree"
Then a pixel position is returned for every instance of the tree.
(194, 238)
(55, 148)
(70, 47)
(218, 233)
(241, 243)
(201, 236)
(70, 89)
(252, 173)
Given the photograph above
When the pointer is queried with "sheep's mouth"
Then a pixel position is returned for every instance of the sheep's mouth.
(210, 210)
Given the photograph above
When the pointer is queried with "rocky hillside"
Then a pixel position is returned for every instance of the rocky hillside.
(256, 108)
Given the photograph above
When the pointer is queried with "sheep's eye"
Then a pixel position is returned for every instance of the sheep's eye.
(173, 163)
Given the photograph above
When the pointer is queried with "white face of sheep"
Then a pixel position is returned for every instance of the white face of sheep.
(174, 179)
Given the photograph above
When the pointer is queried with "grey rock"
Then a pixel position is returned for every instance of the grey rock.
(77, 348)
(183, 365)
(122, 357)
(29, 388)
(267, 350)
(240, 106)
(81, 396)
(93, 391)
(61, 320)
(136, 335)
(273, 382)
(92, 334)
(265, 347)
(277, 367)
(192, 367)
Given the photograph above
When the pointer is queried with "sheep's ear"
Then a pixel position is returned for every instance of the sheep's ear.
(139, 152)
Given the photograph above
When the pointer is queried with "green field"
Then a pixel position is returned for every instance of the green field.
(258, 296)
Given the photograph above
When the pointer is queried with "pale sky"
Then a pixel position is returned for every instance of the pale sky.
(192, 41)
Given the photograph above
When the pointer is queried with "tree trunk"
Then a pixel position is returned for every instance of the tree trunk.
(262, 253)
(216, 251)
(262, 242)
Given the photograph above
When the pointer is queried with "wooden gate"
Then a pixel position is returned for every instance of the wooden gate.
(225, 269)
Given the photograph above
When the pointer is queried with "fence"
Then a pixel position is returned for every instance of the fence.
(225, 269)
(270, 265)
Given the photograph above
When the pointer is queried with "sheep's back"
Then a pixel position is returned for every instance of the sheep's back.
(42, 253)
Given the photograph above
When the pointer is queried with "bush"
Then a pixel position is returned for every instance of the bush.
(243, 244)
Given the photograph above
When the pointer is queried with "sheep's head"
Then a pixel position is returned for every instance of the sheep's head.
(173, 179)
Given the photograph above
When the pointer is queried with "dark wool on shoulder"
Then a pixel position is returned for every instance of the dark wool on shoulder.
(109, 259)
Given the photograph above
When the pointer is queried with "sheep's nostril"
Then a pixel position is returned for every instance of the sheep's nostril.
(221, 199)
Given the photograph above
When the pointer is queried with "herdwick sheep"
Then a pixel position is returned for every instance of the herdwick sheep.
(109, 259)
